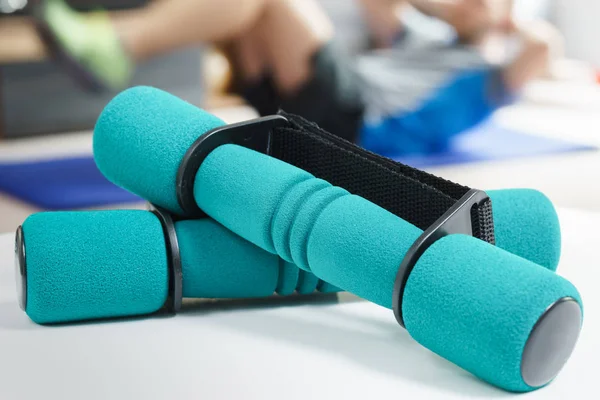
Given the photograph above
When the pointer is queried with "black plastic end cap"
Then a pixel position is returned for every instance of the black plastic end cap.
(551, 342)
(21, 268)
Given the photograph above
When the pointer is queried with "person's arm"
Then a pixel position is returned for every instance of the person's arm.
(540, 42)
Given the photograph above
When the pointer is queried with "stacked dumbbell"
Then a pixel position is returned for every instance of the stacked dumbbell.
(230, 221)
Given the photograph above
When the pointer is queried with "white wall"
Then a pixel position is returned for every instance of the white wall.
(579, 21)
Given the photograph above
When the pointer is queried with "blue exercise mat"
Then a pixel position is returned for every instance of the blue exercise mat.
(76, 182)
(491, 142)
(61, 184)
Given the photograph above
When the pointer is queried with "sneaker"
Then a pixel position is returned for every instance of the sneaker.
(85, 43)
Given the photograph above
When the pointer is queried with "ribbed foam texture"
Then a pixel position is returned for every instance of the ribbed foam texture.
(325, 287)
(276, 206)
(485, 299)
(252, 187)
(526, 224)
(288, 278)
(141, 137)
(305, 220)
(307, 283)
(94, 264)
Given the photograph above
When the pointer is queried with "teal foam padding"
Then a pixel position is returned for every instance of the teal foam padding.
(304, 220)
(288, 278)
(216, 263)
(141, 137)
(307, 283)
(244, 195)
(369, 242)
(294, 199)
(359, 246)
(526, 224)
(143, 133)
(219, 264)
(94, 264)
(325, 287)
(475, 305)
(354, 244)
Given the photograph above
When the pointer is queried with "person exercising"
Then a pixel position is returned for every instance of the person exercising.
(392, 100)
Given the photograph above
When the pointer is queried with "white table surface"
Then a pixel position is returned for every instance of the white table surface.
(308, 349)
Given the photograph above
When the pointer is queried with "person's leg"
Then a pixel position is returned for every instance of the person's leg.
(281, 44)
(540, 44)
(288, 40)
(159, 27)
(247, 57)
(165, 25)
(301, 72)
(291, 32)
(246, 64)
(19, 41)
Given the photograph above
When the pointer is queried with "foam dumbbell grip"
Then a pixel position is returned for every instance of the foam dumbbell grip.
(353, 243)
(99, 264)
(465, 299)
(526, 224)
(143, 134)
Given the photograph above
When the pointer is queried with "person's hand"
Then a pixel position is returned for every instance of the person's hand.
(506, 26)
(469, 18)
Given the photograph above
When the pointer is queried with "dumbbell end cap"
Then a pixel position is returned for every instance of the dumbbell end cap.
(20, 268)
(551, 342)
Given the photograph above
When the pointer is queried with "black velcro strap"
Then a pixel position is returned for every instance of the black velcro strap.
(413, 195)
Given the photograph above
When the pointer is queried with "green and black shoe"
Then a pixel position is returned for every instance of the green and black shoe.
(85, 43)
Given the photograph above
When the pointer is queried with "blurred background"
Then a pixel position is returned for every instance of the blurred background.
(510, 101)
